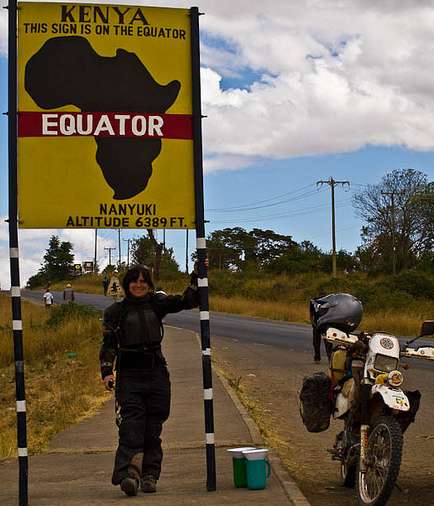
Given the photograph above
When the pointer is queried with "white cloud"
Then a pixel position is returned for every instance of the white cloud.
(215, 163)
(33, 243)
(364, 79)
(334, 76)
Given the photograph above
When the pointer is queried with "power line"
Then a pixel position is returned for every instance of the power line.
(265, 200)
(300, 212)
(247, 206)
(285, 201)
(281, 215)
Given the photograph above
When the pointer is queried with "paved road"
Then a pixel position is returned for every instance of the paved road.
(281, 335)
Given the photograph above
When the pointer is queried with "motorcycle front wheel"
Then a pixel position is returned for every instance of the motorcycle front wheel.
(383, 460)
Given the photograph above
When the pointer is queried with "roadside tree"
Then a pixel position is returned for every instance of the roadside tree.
(148, 251)
(237, 249)
(57, 264)
(398, 211)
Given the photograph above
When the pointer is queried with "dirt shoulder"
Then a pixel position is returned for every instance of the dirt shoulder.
(268, 380)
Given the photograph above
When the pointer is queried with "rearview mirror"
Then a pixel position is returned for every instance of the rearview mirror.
(427, 328)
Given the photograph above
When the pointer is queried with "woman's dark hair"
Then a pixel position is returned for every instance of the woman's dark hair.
(133, 275)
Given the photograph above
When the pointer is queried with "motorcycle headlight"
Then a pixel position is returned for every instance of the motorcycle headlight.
(381, 378)
(383, 363)
(395, 378)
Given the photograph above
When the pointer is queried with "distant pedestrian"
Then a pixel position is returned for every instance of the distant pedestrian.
(48, 298)
(115, 289)
(105, 284)
(68, 293)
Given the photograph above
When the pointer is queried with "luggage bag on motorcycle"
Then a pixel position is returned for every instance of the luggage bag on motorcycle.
(315, 404)
(338, 365)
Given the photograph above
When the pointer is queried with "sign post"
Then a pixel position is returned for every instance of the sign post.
(17, 323)
(109, 136)
(201, 253)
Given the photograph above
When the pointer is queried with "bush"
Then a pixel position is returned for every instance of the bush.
(375, 295)
(71, 311)
(226, 283)
(38, 280)
(414, 283)
(379, 297)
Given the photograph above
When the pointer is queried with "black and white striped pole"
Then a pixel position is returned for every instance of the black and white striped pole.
(17, 324)
(201, 254)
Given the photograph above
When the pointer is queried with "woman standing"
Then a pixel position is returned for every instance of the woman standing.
(133, 332)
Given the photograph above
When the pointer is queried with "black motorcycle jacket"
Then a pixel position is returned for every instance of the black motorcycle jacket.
(135, 324)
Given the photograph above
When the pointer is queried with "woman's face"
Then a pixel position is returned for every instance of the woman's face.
(139, 287)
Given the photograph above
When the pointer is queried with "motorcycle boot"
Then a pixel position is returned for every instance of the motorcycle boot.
(149, 484)
(130, 486)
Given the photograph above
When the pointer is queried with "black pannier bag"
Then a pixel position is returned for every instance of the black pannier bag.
(315, 404)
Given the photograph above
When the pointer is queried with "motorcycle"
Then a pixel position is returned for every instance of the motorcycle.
(366, 395)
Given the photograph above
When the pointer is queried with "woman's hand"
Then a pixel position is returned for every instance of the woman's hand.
(109, 382)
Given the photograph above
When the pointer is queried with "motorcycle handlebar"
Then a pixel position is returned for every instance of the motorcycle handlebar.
(424, 352)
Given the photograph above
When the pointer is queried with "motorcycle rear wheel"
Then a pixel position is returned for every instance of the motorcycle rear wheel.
(383, 461)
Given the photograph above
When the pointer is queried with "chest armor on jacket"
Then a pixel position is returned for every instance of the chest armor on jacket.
(140, 327)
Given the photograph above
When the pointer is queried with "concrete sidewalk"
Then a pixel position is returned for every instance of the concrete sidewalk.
(77, 468)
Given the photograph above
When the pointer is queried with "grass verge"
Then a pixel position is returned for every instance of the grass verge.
(401, 323)
(260, 415)
(61, 373)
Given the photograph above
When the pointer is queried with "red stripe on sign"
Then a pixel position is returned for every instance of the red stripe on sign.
(105, 124)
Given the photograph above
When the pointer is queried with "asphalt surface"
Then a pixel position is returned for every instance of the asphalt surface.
(274, 333)
(286, 336)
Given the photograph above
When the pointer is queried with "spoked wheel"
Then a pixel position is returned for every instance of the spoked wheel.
(375, 486)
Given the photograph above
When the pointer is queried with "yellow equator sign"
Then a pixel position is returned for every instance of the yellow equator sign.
(105, 117)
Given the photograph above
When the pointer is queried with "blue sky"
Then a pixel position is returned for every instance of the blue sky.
(289, 103)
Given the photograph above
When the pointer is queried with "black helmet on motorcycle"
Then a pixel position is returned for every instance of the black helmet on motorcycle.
(340, 310)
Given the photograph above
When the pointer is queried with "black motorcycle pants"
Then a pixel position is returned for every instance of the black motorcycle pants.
(142, 406)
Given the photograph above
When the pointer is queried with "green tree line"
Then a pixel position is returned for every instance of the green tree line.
(397, 235)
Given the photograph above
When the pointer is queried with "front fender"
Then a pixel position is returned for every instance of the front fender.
(395, 398)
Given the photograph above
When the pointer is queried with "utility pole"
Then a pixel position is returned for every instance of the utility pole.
(186, 251)
(332, 183)
(120, 252)
(392, 201)
(95, 255)
(164, 239)
(128, 251)
(109, 249)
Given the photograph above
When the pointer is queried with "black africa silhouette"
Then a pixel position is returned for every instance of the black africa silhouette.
(67, 70)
